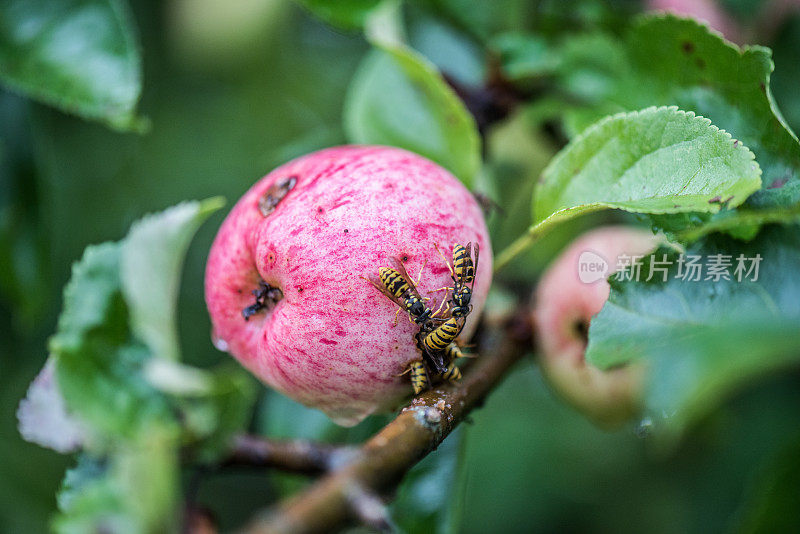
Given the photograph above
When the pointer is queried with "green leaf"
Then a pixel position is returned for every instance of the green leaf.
(703, 339)
(398, 98)
(422, 504)
(98, 364)
(213, 404)
(707, 364)
(151, 259)
(524, 56)
(482, 20)
(666, 60)
(658, 160)
(774, 499)
(742, 223)
(134, 491)
(77, 55)
(347, 14)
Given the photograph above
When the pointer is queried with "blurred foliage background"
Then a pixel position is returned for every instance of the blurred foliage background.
(231, 90)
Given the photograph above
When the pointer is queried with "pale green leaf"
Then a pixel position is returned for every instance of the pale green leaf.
(151, 259)
(134, 491)
(398, 98)
(98, 364)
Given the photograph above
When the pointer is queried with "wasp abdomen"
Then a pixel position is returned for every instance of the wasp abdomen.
(419, 377)
(393, 281)
(462, 264)
(452, 373)
(453, 352)
(443, 335)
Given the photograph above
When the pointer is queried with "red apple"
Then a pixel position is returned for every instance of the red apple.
(331, 341)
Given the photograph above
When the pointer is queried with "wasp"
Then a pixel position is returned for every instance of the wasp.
(396, 284)
(462, 272)
(419, 376)
(452, 353)
(434, 343)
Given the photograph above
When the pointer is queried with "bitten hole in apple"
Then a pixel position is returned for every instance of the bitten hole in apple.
(274, 194)
(266, 296)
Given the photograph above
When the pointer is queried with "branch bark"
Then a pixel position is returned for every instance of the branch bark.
(380, 464)
(297, 456)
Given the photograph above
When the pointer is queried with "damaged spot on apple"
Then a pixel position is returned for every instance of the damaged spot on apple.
(272, 197)
(266, 297)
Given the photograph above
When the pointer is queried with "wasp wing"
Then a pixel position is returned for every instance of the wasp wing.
(474, 262)
(376, 281)
(400, 268)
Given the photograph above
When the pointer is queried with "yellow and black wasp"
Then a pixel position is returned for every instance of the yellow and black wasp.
(435, 343)
(462, 271)
(436, 337)
(452, 353)
(419, 376)
(396, 284)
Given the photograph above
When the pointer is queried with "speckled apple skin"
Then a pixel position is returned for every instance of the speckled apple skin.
(562, 302)
(330, 342)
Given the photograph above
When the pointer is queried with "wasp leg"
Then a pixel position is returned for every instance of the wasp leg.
(445, 288)
(396, 315)
(419, 376)
(446, 262)
(419, 277)
(447, 307)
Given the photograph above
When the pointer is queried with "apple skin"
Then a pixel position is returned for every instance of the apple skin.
(709, 11)
(330, 342)
(562, 303)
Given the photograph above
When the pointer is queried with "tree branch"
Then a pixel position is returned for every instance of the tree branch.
(380, 464)
(298, 456)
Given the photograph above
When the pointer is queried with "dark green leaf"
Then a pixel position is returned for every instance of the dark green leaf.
(431, 491)
(398, 98)
(524, 56)
(482, 20)
(774, 499)
(78, 55)
(703, 338)
(666, 60)
(347, 14)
